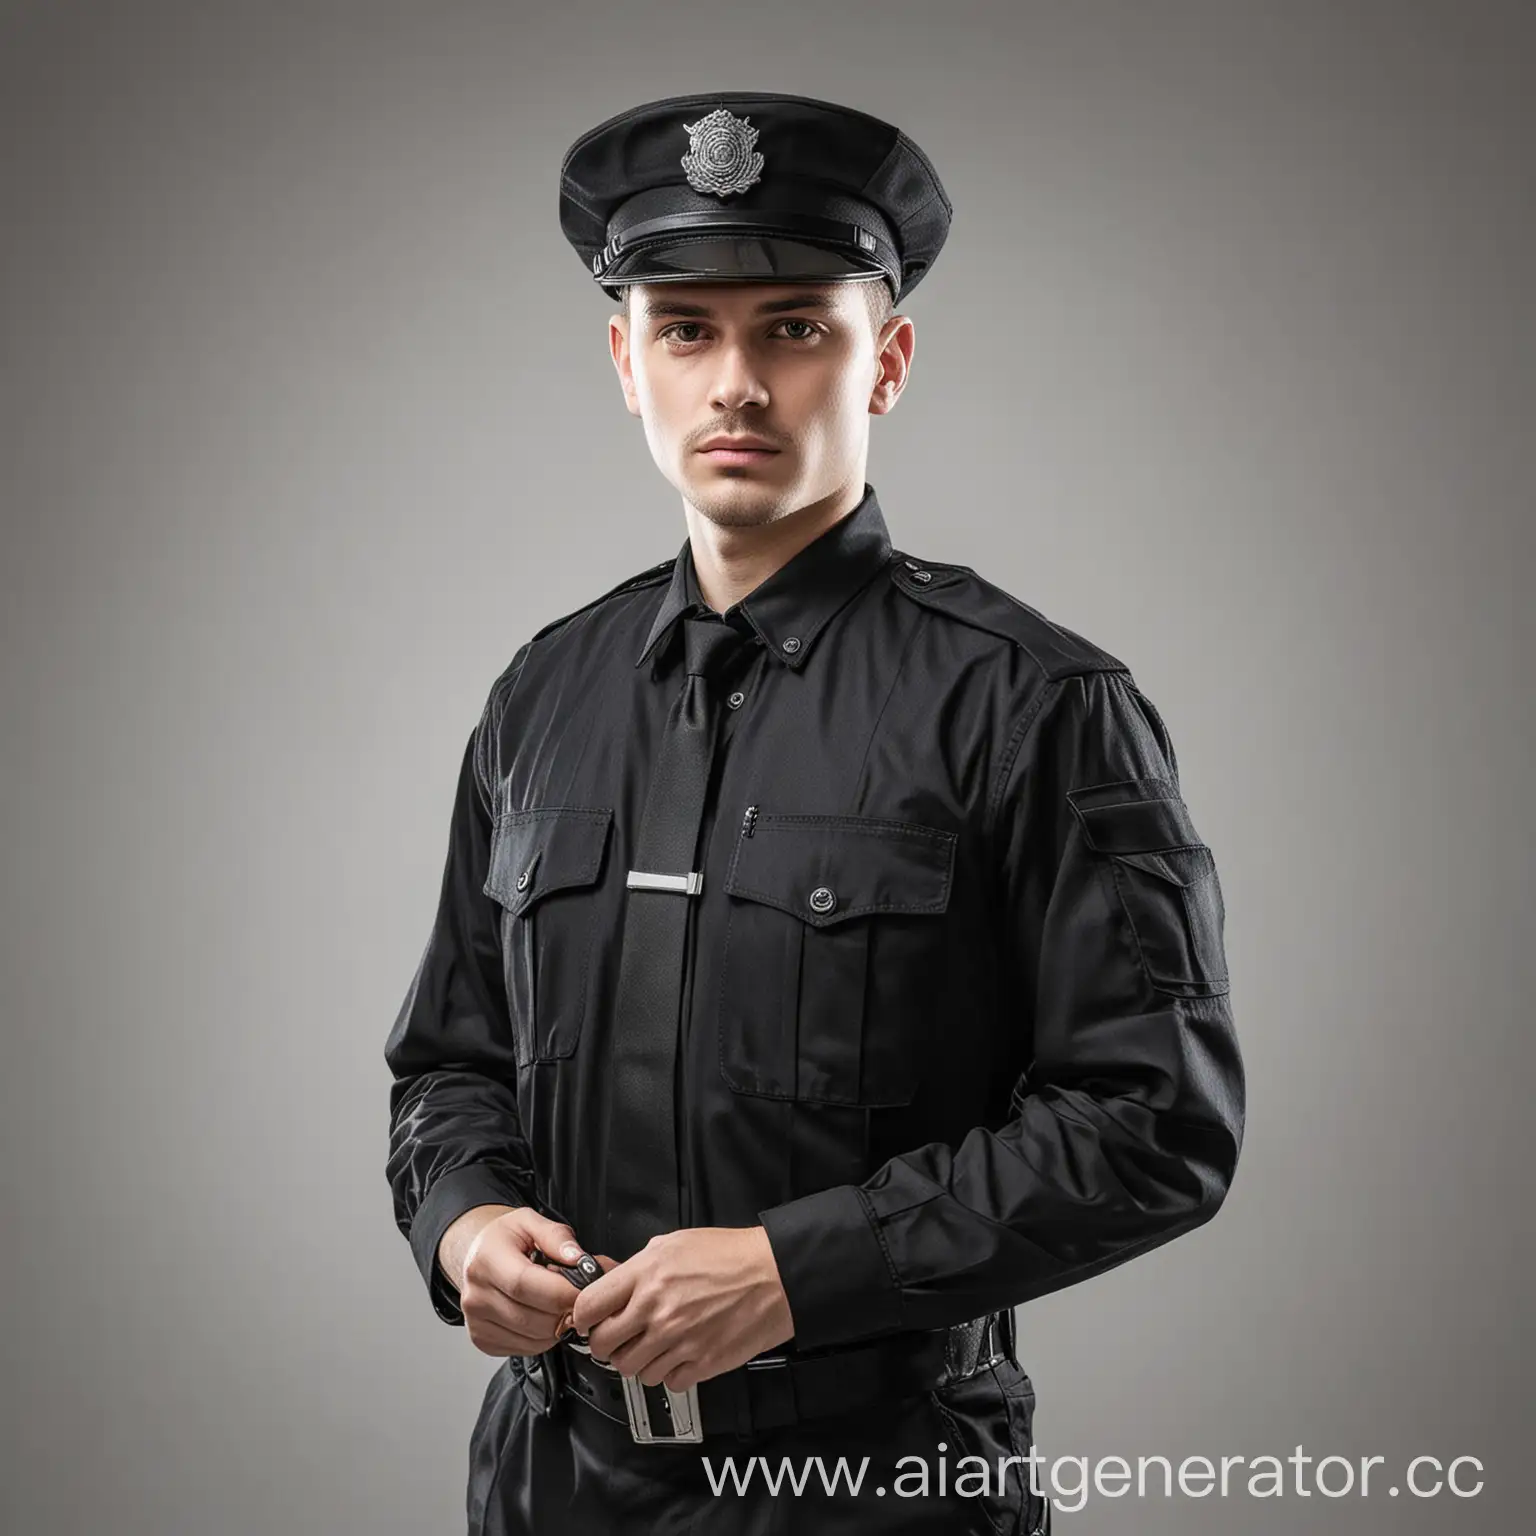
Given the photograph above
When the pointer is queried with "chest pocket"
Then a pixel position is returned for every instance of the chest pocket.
(1165, 880)
(833, 964)
(545, 864)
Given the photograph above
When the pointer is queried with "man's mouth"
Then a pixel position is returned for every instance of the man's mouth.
(738, 455)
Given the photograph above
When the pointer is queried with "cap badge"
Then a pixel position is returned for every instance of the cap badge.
(721, 159)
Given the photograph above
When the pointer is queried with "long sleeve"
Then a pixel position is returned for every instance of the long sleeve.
(1126, 1121)
(455, 1140)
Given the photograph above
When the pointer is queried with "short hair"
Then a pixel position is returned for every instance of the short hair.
(878, 298)
(881, 301)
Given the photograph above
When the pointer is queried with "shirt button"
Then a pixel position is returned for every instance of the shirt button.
(737, 699)
(792, 644)
(522, 880)
(923, 576)
(822, 899)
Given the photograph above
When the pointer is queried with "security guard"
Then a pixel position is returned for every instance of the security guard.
(826, 961)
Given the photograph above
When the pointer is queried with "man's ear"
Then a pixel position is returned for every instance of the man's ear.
(618, 345)
(893, 357)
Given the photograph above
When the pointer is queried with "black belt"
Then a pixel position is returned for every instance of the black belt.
(772, 1390)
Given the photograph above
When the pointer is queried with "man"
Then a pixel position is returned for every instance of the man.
(826, 960)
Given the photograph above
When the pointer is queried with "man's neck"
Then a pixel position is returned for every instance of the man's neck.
(729, 562)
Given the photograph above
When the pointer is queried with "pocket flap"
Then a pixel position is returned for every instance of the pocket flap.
(1136, 816)
(828, 868)
(544, 849)
(1178, 866)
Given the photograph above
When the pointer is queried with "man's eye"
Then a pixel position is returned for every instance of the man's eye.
(674, 332)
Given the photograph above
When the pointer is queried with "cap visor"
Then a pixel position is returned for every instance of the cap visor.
(746, 258)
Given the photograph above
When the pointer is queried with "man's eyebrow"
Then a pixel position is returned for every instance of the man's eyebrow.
(659, 306)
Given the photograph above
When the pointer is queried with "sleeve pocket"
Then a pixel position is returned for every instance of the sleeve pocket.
(1165, 881)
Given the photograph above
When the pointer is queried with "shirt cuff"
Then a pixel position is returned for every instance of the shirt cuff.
(449, 1197)
(834, 1267)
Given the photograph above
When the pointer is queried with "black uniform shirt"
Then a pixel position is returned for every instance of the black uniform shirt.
(1002, 1061)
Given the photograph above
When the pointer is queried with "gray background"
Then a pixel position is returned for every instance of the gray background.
(309, 421)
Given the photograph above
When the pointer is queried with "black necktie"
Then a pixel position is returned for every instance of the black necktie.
(641, 1174)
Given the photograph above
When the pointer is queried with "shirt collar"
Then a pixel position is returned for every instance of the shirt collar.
(791, 607)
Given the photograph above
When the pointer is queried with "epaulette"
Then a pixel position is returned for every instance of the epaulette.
(958, 592)
(649, 577)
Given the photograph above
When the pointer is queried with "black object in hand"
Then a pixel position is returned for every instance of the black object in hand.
(581, 1274)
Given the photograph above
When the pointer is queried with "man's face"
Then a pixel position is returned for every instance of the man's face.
(795, 365)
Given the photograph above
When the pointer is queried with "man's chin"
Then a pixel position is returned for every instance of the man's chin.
(737, 506)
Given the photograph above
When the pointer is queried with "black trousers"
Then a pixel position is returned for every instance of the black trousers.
(580, 1472)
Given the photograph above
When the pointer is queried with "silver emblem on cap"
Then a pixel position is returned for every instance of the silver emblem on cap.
(721, 158)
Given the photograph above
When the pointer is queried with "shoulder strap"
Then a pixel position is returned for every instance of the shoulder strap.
(650, 577)
(960, 594)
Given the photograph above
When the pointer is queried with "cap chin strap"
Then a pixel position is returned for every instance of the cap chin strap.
(679, 228)
(743, 277)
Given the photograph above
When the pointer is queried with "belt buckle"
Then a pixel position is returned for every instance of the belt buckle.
(683, 1411)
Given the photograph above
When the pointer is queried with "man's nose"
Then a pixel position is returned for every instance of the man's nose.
(737, 382)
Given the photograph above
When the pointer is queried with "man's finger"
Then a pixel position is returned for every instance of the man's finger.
(552, 1238)
(640, 1350)
(613, 1333)
(500, 1262)
(678, 1363)
(496, 1309)
(603, 1297)
(490, 1338)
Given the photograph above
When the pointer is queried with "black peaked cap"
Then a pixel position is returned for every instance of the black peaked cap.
(751, 186)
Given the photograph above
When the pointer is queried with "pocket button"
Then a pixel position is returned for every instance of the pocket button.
(823, 899)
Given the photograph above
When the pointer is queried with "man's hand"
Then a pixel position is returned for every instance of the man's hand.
(688, 1306)
(511, 1305)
